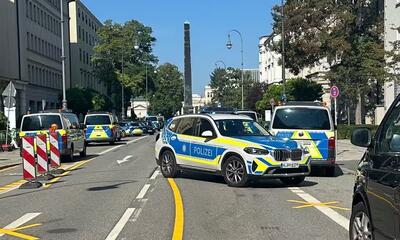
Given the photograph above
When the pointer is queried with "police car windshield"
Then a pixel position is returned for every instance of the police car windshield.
(40, 122)
(98, 120)
(301, 118)
(240, 127)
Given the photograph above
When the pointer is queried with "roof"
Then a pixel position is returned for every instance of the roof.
(218, 116)
(304, 103)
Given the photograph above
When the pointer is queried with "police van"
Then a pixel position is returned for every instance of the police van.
(234, 146)
(71, 136)
(311, 125)
(101, 127)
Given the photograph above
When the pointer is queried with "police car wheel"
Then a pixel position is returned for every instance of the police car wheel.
(234, 172)
(83, 153)
(168, 165)
(292, 180)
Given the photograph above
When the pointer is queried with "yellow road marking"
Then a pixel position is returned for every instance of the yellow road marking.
(317, 204)
(6, 169)
(73, 167)
(26, 227)
(179, 214)
(12, 185)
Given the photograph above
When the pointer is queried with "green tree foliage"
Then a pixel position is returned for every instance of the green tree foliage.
(297, 89)
(348, 34)
(168, 95)
(116, 51)
(81, 100)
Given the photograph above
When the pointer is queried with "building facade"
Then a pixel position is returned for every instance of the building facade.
(31, 52)
(208, 95)
(83, 37)
(392, 34)
(253, 74)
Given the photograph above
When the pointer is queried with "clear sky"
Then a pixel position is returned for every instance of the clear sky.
(210, 21)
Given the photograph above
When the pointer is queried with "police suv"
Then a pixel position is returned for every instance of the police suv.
(234, 146)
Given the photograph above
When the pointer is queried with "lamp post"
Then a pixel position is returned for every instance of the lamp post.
(283, 54)
(122, 88)
(229, 45)
(220, 61)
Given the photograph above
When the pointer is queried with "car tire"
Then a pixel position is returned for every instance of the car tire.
(360, 215)
(112, 142)
(169, 169)
(234, 172)
(70, 157)
(292, 181)
(83, 153)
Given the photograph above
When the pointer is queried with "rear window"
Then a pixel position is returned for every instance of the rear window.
(98, 120)
(153, 119)
(40, 122)
(301, 118)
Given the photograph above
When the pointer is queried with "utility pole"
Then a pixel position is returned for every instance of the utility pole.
(64, 100)
(283, 53)
(122, 87)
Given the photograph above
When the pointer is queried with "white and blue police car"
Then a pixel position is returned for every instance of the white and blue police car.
(234, 146)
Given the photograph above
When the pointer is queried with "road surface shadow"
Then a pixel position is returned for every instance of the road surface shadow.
(108, 187)
(253, 182)
(317, 171)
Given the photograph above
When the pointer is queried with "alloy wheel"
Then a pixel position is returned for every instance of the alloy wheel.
(361, 227)
(235, 171)
(166, 163)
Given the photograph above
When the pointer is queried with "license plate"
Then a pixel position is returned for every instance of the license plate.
(290, 165)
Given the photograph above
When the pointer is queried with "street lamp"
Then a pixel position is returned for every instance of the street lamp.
(229, 45)
(283, 53)
(220, 61)
(64, 100)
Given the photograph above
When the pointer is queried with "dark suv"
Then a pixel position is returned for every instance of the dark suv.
(376, 199)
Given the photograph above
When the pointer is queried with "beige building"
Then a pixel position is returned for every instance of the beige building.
(30, 50)
(140, 107)
(83, 38)
(208, 95)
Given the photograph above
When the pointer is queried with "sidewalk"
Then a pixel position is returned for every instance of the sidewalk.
(348, 152)
(8, 159)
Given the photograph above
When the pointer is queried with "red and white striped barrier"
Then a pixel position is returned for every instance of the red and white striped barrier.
(54, 151)
(41, 151)
(28, 158)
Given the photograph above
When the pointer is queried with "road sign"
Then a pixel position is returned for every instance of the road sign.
(10, 90)
(9, 102)
(334, 92)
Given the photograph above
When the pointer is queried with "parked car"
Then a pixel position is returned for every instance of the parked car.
(376, 196)
(102, 127)
(124, 129)
(71, 134)
(136, 129)
(147, 128)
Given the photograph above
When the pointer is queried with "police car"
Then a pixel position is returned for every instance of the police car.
(101, 127)
(234, 146)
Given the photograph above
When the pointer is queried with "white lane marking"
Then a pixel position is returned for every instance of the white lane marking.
(20, 221)
(155, 174)
(135, 140)
(329, 212)
(143, 191)
(124, 160)
(293, 188)
(298, 191)
(120, 224)
(110, 149)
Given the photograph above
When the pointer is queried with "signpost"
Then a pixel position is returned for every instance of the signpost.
(334, 94)
(9, 93)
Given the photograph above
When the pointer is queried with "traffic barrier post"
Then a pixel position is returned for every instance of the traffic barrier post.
(43, 166)
(29, 171)
(55, 154)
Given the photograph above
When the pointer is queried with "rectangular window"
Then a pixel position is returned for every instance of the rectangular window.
(87, 37)
(79, 32)
(34, 13)
(87, 58)
(27, 8)
(35, 44)
(29, 72)
(30, 10)
(80, 55)
(28, 36)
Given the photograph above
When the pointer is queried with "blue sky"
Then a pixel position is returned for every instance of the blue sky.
(210, 22)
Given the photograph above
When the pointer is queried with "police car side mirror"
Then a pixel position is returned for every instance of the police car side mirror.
(207, 134)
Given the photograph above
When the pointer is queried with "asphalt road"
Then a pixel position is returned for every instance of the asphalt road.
(118, 193)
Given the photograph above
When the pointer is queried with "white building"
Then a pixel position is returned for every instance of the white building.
(392, 34)
(140, 107)
(198, 102)
(271, 71)
(208, 95)
(254, 74)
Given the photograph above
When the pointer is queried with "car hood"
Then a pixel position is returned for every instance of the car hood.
(270, 142)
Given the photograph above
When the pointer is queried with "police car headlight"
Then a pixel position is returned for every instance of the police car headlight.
(256, 151)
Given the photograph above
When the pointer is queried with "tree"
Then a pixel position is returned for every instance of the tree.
(168, 95)
(297, 89)
(81, 100)
(254, 93)
(348, 34)
(116, 52)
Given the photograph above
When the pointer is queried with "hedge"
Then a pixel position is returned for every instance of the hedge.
(345, 131)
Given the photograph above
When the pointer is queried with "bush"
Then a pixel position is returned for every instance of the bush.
(345, 131)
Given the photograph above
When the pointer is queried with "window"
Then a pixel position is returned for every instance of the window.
(28, 40)
(186, 126)
(34, 13)
(30, 10)
(87, 58)
(79, 13)
(87, 40)
(79, 32)
(389, 138)
(80, 55)
(98, 120)
(240, 127)
(302, 118)
(203, 125)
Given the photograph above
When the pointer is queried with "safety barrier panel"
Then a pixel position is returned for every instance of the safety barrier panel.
(28, 158)
(54, 151)
(41, 151)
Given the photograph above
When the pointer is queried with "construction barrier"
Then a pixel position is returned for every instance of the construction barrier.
(41, 151)
(28, 158)
(54, 151)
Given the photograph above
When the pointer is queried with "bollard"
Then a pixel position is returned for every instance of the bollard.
(29, 163)
(43, 167)
(55, 154)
